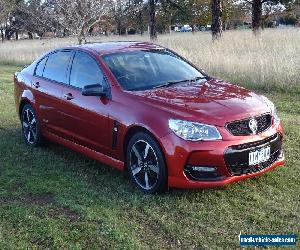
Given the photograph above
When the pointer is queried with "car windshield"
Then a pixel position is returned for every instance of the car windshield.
(142, 70)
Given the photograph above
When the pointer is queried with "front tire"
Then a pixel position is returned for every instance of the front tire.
(145, 164)
(31, 127)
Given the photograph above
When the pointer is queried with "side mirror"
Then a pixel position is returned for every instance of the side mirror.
(94, 90)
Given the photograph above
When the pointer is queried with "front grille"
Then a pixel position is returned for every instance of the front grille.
(237, 157)
(241, 127)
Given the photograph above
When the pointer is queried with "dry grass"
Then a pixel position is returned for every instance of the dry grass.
(270, 60)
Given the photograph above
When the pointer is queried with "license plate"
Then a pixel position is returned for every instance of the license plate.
(258, 156)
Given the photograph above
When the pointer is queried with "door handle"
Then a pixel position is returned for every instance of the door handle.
(68, 96)
(36, 85)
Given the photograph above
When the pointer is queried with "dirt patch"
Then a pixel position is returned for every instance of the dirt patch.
(39, 199)
(153, 229)
(29, 199)
(64, 212)
(43, 199)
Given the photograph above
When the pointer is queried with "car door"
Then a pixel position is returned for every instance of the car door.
(86, 117)
(51, 74)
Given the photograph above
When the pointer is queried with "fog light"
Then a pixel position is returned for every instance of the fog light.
(198, 173)
(203, 169)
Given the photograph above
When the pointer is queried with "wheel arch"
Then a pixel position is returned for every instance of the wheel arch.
(136, 129)
(26, 97)
(22, 104)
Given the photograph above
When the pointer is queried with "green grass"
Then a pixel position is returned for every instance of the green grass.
(52, 197)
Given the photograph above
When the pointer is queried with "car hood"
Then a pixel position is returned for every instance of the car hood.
(213, 102)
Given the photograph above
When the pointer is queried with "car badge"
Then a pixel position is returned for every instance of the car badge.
(253, 125)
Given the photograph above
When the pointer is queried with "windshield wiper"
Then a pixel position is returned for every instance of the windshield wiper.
(199, 78)
(169, 83)
(166, 84)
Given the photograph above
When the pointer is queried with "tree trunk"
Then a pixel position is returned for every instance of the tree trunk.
(119, 26)
(141, 23)
(81, 36)
(256, 16)
(216, 26)
(152, 23)
(2, 36)
(30, 35)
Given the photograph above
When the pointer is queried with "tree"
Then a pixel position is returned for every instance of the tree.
(256, 15)
(216, 26)
(119, 15)
(152, 19)
(258, 6)
(80, 16)
(134, 13)
(6, 7)
(234, 13)
(35, 16)
(164, 6)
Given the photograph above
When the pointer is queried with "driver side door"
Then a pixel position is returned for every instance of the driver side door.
(86, 117)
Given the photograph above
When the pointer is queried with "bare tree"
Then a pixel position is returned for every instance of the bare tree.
(216, 26)
(79, 16)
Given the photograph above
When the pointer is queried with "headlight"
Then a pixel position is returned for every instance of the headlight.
(194, 131)
(276, 117)
(273, 109)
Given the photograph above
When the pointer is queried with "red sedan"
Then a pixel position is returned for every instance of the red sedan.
(143, 108)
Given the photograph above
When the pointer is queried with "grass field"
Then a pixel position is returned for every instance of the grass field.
(52, 197)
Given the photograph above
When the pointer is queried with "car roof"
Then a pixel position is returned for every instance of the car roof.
(113, 47)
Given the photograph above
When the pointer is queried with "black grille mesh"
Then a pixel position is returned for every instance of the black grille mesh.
(241, 127)
(237, 157)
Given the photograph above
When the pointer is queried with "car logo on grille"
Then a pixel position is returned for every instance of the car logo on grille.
(253, 125)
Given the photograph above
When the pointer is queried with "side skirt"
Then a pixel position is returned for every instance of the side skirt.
(86, 151)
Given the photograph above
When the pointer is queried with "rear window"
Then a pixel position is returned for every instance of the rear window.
(57, 65)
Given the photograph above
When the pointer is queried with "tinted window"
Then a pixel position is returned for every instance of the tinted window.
(57, 65)
(40, 67)
(138, 70)
(85, 71)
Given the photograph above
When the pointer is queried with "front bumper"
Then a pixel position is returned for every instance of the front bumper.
(180, 153)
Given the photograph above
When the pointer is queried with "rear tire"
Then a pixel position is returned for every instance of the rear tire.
(31, 127)
(145, 164)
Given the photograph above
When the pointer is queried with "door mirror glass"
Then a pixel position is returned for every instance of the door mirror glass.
(94, 90)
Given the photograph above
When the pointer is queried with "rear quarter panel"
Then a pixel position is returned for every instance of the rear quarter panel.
(22, 88)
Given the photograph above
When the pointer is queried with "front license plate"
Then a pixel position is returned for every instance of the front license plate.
(258, 156)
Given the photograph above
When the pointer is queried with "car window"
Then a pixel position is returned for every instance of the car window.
(85, 71)
(140, 70)
(40, 67)
(57, 65)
